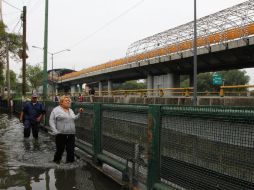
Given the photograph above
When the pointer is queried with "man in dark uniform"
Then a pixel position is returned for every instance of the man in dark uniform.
(31, 116)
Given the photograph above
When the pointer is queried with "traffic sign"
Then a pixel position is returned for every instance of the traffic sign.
(217, 80)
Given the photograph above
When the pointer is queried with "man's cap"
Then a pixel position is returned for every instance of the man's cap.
(34, 95)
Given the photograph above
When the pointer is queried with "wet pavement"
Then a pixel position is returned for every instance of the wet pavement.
(26, 164)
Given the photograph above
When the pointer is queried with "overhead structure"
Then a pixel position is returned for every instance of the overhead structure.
(233, 23)
(234, 19)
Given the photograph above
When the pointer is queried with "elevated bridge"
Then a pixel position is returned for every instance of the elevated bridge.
(225, 41)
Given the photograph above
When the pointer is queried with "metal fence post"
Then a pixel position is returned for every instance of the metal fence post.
(154, 125)
(97, 130)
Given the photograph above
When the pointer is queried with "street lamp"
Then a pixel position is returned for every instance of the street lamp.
(52, 59)
(195, 56)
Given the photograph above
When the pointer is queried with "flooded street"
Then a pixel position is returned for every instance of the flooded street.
(27, 164)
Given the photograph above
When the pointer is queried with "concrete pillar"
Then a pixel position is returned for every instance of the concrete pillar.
(175, 80)
(169, 80)
(100, 88)
(110, 84)
(56, 89)
(73, 89)
(149, 83)
(80, 90)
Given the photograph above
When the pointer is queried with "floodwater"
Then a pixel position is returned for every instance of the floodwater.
(26, 164)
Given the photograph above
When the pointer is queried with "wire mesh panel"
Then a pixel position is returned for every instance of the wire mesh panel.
(124, 136)
(84, 124)
(4, 105)
(208, 148)
(17, 105)
(49, 106)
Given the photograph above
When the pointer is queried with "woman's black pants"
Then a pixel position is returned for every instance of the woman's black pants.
(64, 141)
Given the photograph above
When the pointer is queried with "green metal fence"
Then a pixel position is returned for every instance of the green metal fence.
(207, 148)
(170, 147)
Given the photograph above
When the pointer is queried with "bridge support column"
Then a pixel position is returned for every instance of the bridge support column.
(149, 83)
(80, 88)
(100, 88)
(110, 87)
(174, 81)
(73, 89)
(169, 80)
(56, 89)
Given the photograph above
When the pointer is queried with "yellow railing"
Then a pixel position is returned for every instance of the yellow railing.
(223, 88)
(166, 92)
(149, 92)
(162, 92)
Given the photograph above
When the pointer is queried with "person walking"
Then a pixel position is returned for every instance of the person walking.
(31, 116)
(62, 125)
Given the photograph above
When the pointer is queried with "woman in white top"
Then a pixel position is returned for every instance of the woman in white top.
(62, 124)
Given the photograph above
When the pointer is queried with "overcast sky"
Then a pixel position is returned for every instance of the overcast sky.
(97, 31)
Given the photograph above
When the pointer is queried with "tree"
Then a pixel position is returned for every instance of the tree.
(131, 85)
(34, 76)
(13, 80)
(205, 82)
(235, 77)
(11, 41)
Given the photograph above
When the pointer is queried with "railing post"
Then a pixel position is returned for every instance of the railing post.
(153, 135)
(221, 92)
(187, 92)
(161, 93)
(97, 131)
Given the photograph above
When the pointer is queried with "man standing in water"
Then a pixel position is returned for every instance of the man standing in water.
(31, 116)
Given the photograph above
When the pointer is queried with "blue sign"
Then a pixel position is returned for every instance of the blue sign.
(217, 80)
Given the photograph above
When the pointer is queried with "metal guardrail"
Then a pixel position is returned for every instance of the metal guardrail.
(166, 147)
(236, 90)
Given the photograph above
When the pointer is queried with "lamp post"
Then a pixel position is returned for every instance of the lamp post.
(52, 65)
(195, 56)
(45, 57)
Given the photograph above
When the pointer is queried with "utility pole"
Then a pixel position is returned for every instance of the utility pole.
(24, 53)
(8, 73)
(1, 12)
(195, 56)
(45, 54)
(52, 80)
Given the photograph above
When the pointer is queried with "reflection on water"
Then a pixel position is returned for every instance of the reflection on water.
(26, 164)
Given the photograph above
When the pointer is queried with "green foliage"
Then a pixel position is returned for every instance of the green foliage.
(131, 85)
(34, 76)
(13, 80)
(235, 77)
(184, 81)
(205, 82)
(13, 42)
(1, 74)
